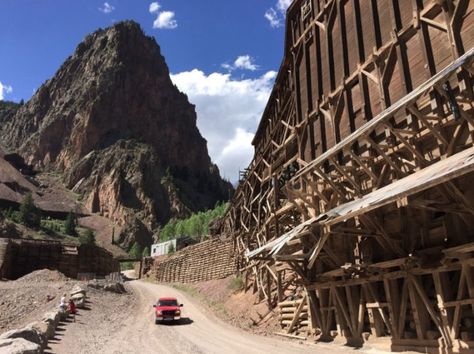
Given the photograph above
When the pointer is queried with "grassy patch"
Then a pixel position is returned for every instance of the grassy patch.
(236, 283)
(53, 225)
(126, 266)
(48, 229)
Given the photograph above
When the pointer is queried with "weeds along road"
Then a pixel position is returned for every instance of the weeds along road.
(131, 329)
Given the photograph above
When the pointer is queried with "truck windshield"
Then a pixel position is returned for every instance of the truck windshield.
(167, 303)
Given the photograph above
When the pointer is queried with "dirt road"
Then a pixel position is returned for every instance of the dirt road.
(132, 330)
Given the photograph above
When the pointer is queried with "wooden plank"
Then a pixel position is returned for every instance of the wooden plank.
(297, 314)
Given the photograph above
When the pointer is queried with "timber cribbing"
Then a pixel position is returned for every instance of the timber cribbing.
(22, 256)
(362, 185)
(212, 259)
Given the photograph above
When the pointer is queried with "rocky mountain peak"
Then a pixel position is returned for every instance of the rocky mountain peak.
(112, 96)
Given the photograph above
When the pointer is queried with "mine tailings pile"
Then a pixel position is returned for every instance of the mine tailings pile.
(356, 217)
(20, 257)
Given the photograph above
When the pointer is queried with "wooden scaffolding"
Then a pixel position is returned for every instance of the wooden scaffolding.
(356, 215)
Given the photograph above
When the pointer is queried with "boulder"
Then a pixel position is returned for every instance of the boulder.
(96, 284)
(115, 288)
(51, 319)
(63, 314)
(19, 346)
(78, 290)
(42, 328)
(79, 300)
(30, 333)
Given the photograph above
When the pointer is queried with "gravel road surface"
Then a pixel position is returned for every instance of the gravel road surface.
(130, 328)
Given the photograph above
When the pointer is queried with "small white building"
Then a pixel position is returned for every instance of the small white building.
(162, 248)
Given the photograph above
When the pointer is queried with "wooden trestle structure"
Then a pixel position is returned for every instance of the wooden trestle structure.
(356, 214)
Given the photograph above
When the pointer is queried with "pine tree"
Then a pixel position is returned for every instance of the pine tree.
(146, 252)
(87, 238)
(29, 213)
(135, 251)
(70, 224)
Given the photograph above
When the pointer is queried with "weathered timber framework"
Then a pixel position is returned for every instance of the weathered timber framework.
(360, 197)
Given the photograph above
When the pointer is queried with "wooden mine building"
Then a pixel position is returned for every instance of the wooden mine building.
(356, 215)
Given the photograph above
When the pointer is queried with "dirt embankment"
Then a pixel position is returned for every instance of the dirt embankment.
(241, 309)
(26, 299)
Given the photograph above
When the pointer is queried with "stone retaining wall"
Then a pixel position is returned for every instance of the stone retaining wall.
(33, 338)
(212, 259)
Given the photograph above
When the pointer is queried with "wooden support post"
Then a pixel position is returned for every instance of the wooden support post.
(376, 325)
(279, 287)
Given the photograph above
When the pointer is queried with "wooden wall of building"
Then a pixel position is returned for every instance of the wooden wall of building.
(348, 60)
(371, 94)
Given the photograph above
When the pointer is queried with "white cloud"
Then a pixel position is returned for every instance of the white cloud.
(243, 62)
(276, 15)
(229, 111)
(273, 17)
(237, 154)
(283, 5)
(154, 7)
(164, 19)
(106, 8)
(5, 90)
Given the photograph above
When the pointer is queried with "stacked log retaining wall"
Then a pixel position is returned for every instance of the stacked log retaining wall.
(24, 256)
(212, 259)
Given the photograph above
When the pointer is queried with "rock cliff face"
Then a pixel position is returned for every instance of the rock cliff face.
(121, 133)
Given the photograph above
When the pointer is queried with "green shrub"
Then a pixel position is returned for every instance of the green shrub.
(29, 213)
(53, 225)
(135, 251)
(70, 224)
(146, 252)
(87, 238)
(196, 226)
(126, 266)
(13, 215)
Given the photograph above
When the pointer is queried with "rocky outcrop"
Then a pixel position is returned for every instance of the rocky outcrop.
(7, 111)
(113, 122)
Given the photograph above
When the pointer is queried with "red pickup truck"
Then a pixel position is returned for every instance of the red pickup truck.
(167, 309)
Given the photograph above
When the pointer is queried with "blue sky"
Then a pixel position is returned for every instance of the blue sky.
(223, 54)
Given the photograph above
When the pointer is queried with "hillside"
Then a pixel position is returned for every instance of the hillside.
(119, 133)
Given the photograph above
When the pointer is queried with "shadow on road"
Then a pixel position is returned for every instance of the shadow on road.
(182, 322)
